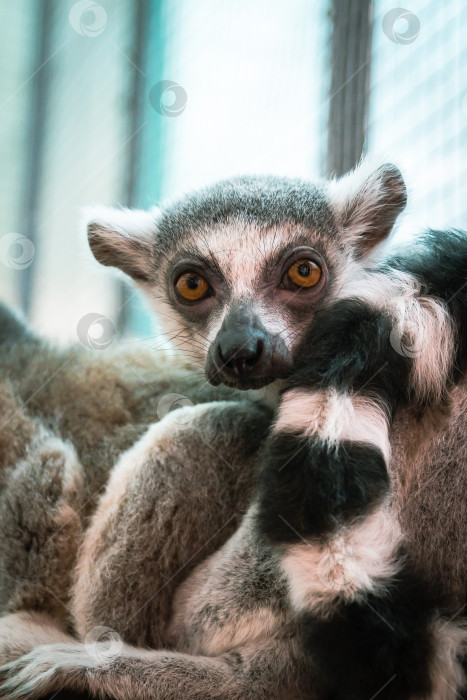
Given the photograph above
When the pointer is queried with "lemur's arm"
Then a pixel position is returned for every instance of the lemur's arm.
(253, 672)
(397, 336)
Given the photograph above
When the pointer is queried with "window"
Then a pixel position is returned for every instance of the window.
(86, 112)
(418, 107)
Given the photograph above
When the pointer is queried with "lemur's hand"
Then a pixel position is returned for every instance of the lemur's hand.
(46, 669)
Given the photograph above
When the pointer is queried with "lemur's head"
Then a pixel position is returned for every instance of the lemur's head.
(236, 271)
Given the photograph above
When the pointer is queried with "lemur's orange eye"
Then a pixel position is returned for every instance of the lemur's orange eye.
(192, 286)
(304, 273)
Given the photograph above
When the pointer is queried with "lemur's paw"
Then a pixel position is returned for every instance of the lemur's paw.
(47, 669)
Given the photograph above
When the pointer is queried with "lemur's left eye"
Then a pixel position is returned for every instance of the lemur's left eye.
(192, 286)
(304, 273)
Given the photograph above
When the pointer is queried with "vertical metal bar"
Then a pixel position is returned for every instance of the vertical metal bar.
(40, 84)
(350, 71)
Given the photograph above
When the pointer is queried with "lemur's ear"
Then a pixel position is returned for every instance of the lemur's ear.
(123, 238)
(367, 202)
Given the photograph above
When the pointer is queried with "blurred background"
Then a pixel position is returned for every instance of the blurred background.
(133, 102)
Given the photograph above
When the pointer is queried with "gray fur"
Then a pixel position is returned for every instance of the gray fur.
(431, 488)
(264, 201)
(41, 526)
(170, 533)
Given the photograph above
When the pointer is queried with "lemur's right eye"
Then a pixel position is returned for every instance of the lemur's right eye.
(191, 286)
(304, 273)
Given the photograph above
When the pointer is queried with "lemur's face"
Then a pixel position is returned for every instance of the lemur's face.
(243, 294)
(237, 271)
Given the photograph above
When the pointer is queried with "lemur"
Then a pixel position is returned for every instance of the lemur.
(346, 575)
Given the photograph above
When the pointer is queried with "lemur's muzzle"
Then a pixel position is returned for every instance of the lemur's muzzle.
(244, 355)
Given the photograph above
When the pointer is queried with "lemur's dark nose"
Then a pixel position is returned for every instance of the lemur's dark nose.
(240, 350)
(244, 354)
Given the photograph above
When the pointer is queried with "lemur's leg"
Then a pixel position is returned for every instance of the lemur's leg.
(369, 623)
(167, 506)
(259, 671)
